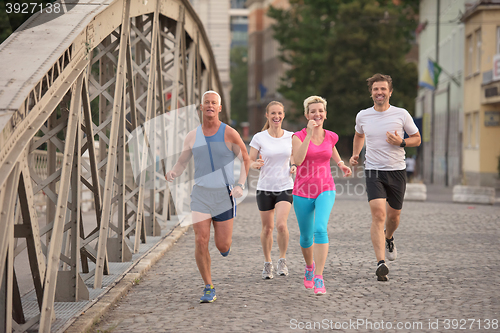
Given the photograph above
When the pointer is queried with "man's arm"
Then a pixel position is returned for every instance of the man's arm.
(357, 145)
(412, 140)
(240, 150)
(184, 158)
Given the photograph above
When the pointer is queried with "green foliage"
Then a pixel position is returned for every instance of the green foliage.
(333, 46)
(10, 22)
(5, 28)
(239, 80)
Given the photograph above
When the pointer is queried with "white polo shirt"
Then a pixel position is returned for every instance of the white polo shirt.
(381, 155)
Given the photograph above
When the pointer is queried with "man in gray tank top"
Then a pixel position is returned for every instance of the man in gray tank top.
(214, 146)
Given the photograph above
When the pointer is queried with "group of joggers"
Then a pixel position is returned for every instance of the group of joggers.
(279, 154)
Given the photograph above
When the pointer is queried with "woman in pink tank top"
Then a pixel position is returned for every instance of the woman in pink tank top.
(314, 189)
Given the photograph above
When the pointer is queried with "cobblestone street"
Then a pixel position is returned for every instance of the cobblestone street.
(448, 267)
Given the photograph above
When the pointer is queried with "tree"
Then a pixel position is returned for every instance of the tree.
(13, 15)
(5, 28)
(239, 78)
(333, 46)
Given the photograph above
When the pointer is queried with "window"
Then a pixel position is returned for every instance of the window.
(476, 130)
(478, 51)
(498, 40)
(468, 130)
(472, 130)
(470, 52)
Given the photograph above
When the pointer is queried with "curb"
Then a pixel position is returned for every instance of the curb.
(95, 311)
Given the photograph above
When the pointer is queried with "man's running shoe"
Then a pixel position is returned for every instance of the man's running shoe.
(282, 269)
(225, 254)
(309, 277)
(382, 271)
(319, 286)
(208, 294)
(267, 272)
(391, 252)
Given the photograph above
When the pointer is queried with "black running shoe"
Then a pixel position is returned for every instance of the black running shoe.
(391, 253)
(382, 271)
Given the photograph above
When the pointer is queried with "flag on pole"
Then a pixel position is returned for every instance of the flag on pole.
(430, 78)
(262, 91)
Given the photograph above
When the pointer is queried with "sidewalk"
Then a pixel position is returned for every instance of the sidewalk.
(439, 193)
(448, 268)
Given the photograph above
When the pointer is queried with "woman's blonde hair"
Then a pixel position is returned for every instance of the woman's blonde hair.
(266, 125)
(311, 100)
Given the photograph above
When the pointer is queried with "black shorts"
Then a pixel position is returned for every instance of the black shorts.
(217, 202)
(267, 200)
(390, 185)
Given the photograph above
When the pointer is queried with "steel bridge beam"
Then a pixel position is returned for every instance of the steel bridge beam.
(104, 70)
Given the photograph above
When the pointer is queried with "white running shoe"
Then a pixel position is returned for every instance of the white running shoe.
(282, 269)
(267, 272)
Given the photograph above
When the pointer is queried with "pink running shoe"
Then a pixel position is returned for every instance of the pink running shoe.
(319, 286)
(309, 277)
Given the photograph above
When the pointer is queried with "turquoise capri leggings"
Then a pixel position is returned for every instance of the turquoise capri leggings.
(312, 216)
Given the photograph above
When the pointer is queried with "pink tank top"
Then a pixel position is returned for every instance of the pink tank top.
(314, 175)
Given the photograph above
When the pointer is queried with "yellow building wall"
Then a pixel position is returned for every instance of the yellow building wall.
(471, 160)
(472, 87)
(484, 159)
(489, 145)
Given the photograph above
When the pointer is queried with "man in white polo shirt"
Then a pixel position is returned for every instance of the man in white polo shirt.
(383, 126)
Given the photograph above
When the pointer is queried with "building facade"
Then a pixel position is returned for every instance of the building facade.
(215, 15)
(239, 23)
(481, 139)
(265, 69)
(441, 40)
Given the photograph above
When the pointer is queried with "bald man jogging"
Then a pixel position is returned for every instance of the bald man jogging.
(214, 146)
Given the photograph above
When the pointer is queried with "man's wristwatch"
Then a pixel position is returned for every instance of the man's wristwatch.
(403, 143)
(241, 185)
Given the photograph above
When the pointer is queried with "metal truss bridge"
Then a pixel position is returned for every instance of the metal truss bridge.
(73, 87)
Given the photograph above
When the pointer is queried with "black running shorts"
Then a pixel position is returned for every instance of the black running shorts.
(390, 185)
(267, 200)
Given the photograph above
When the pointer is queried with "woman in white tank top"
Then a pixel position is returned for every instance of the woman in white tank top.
(271, 153)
